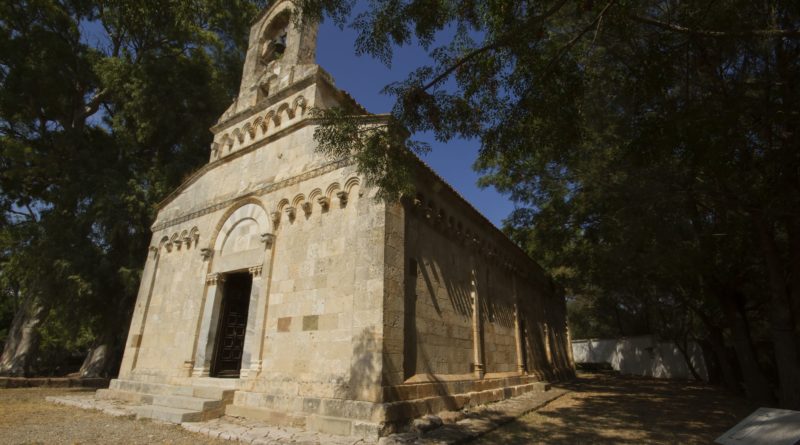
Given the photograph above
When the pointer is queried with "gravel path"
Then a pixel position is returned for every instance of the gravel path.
(610, 409)
(25, 418)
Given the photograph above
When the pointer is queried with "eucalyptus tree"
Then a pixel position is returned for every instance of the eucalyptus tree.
(104, 108)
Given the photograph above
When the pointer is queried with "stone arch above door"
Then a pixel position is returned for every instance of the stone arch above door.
(240, 240)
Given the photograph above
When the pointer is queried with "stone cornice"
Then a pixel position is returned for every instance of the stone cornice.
(283, 94)
(268, 188)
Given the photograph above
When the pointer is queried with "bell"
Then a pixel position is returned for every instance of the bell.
(279, 44)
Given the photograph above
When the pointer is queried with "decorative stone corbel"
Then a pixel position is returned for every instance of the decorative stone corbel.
(177, 242)
(290, 212)
(206, 253)
(268, 239)
(324, 202)
(168, 246)
(153, 250)
(255, 271)
(276, 218)
(188, 241)
(342, 195)
(306, 206)
(215, 279)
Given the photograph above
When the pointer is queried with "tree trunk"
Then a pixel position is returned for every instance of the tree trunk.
(96, 362)
(22, 342)
(755, 384)
(794, 269)
(782, 328)
(717, 343)
(683, 347)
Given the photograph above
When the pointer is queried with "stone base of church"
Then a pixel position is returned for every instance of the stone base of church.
(326, 415)
(448, 393)
(402, 403)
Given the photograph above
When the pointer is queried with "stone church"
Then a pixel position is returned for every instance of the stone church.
(277, 288)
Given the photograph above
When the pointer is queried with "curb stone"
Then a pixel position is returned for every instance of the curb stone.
(477, 422)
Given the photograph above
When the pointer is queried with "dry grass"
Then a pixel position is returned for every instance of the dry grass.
(611, 409)
(26, 418)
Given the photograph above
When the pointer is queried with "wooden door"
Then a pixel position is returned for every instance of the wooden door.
(232, 325)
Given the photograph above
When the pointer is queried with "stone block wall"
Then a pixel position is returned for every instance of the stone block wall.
(452, 257)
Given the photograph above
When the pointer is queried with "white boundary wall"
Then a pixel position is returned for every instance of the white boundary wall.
(641, 356)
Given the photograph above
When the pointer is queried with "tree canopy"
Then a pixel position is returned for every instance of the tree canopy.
(651, 148)
(104, 108)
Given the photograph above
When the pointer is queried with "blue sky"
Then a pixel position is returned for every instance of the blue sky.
(364, 78)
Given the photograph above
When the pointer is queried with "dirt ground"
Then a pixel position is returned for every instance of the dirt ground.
(26, 418)
(603, 408)
(611, 409)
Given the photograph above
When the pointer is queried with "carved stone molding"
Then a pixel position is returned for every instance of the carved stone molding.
(255, 271)
(290, 212)
(185, 238)
(263, 190)
(215, 279)
(255, 368)
(324, 202)
(306, 206)
(206, 254)
(276, 218)
(268, 239)
(342, 198)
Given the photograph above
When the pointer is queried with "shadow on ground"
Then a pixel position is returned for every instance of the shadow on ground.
(607, 408)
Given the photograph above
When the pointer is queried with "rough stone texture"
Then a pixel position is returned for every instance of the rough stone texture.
(426, 423)
(362, 315)
(476, 422)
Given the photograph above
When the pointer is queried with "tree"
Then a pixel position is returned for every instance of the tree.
(87, 147)
(651, 148)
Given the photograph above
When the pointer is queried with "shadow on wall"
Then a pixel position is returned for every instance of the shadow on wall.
(642, 356)
(365, 378)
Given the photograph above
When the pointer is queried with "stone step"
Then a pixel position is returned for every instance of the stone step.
(137, 398)
(186, 402)
(206, 392)
(167, 414)
(270, 416)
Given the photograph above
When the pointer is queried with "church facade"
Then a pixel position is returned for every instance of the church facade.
(278, 288)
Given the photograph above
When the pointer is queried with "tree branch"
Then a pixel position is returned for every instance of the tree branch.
(575, 39)
(94, 103)
(766, 33)
(446, 73)
(494, 45)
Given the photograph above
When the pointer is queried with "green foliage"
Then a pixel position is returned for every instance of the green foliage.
(378, 146)
(104, 107)
(650, 147)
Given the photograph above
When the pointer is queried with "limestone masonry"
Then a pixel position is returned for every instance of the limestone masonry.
(277, 288)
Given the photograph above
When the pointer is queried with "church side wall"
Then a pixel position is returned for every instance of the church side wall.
(433, 331)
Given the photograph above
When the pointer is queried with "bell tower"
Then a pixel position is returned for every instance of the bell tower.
(280, 83)
(278, 46)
